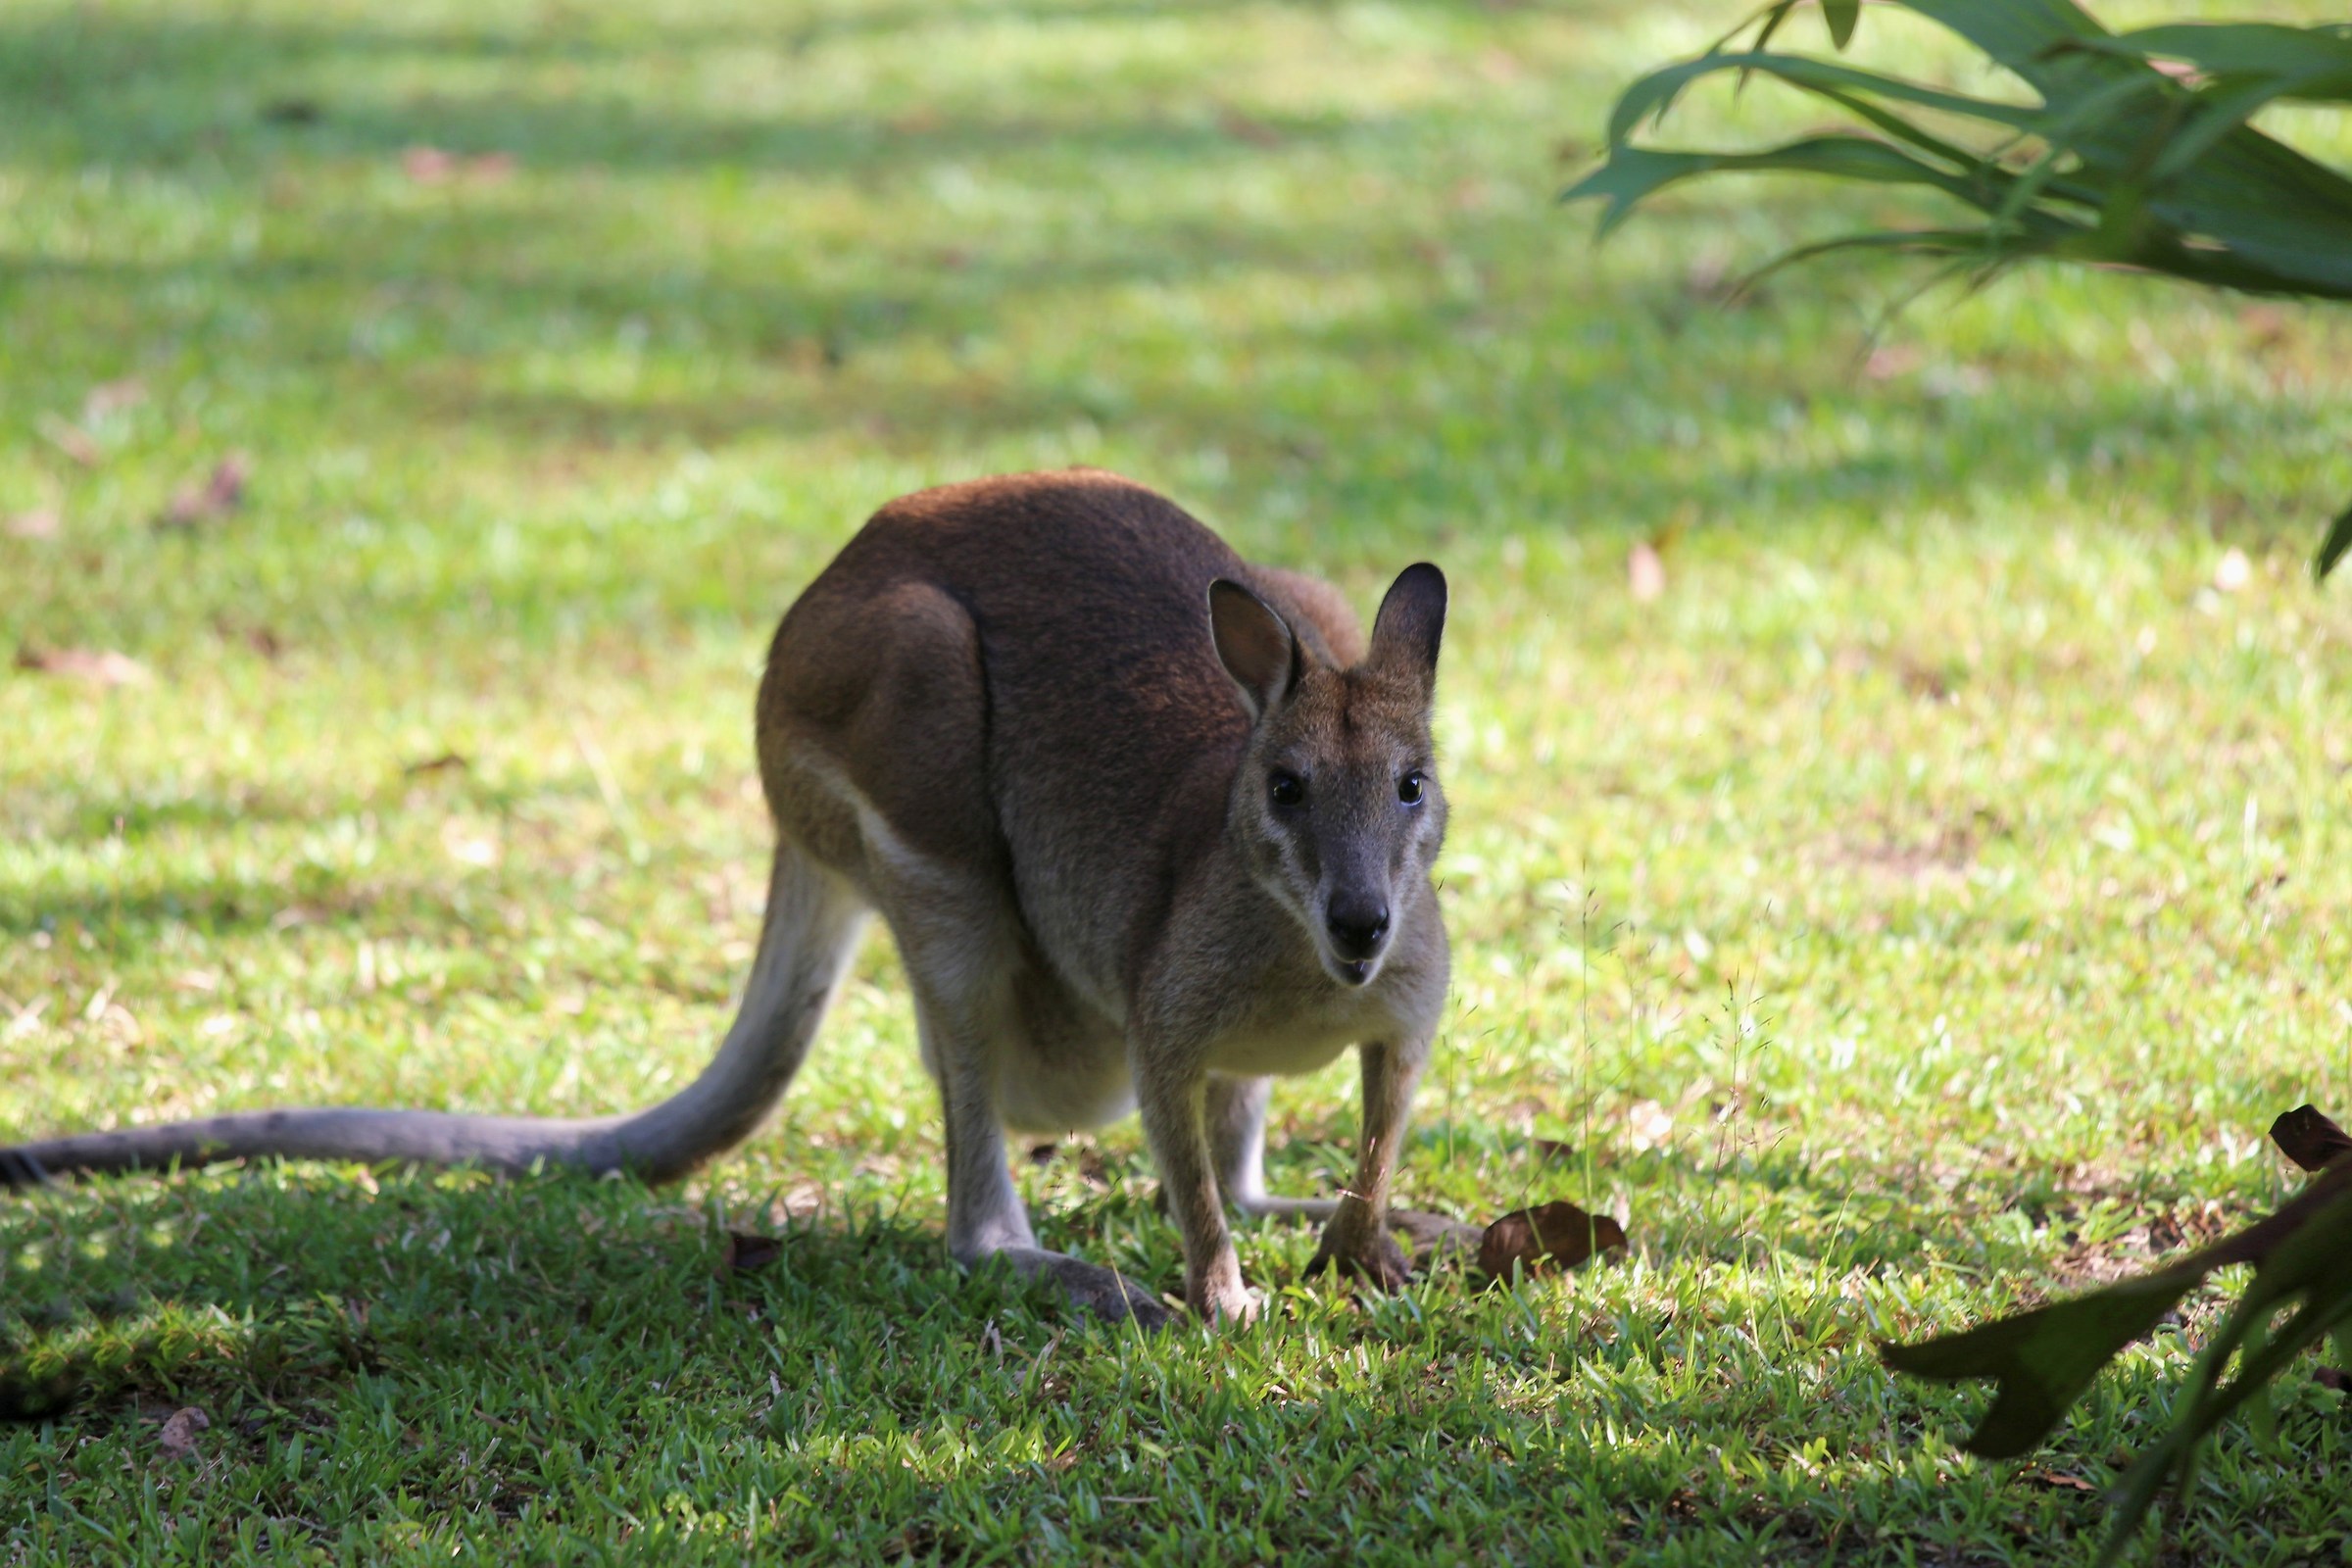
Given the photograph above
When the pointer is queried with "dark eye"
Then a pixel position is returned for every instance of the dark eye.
(1409, 788)
(1286, 789)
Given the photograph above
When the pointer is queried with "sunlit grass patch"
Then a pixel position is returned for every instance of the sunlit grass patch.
(1922, 904)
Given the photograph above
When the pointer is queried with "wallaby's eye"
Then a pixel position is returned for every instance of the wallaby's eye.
(1286, 789)
(1409, 788)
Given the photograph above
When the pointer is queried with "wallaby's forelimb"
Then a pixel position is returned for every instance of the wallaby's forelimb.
(806, 942)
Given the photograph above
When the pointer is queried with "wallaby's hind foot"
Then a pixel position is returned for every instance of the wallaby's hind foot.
(1104, 1291)
(1436, 1238)
(1378, 1261)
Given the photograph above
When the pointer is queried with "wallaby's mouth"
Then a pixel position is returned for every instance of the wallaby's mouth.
(1352, 971)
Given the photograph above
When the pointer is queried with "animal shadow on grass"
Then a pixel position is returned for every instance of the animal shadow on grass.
(251, 1291)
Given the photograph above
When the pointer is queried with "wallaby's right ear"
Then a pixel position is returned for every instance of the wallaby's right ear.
(1411, 622)
(1254, 644)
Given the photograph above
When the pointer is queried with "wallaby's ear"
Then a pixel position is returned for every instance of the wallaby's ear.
(1254, 644)
(1411, 621)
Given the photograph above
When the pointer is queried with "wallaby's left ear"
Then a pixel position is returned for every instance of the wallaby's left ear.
(1254, 643)
(1411, 622)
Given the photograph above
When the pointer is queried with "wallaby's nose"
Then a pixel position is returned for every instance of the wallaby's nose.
(1356, 923)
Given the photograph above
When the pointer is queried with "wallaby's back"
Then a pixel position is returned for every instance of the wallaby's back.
(1013, 675)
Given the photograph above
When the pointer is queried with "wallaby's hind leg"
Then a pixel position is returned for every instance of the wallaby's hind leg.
(963, 985)
(880, 764)
(1237, 1132)
(986, 1217)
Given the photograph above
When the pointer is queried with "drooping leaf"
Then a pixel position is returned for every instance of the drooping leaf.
(2306, 1136)
(2332, 548)
(1842, 15)
(2139, 150)
(2044, 1359)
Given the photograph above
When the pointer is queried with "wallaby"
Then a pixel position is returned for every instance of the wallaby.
(1149, 825)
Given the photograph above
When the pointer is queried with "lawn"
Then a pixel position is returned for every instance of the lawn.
(1920, 907)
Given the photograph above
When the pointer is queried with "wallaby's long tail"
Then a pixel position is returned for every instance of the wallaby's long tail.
(805, 944)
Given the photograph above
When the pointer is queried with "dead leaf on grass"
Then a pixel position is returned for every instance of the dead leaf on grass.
(108, 396)
(740, 1254)
(100, 667)
(71, 439)
(1890, 360)
(219, 495)
(446, 763)
(179, 1439)
(2057, 1478)
(1247, 128)
(1644, 571)
(1554, 1234)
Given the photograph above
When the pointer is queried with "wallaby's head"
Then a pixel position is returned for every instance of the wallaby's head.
(1337, 803)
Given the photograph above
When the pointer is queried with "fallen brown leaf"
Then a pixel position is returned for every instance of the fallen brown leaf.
(1890, 360)
(108, 396)
(98, 666)
(179, 1439)
(2057, 1478)
(41, 523)
(428, 166)
(2307, 1136)
(446, 763)
(1644, 571)
(437, 166)
(71, 439)
(740, 1253)
(1550, 1234)
(1245, 127)
(219, 495)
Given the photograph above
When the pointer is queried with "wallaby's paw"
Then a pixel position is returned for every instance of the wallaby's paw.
(1436, 1238)
(1379, 1263)
(1239, 1306)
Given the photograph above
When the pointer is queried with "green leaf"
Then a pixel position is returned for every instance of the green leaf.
(2241, 48)
(1656, 92)
(1842, 15)
(2333, 548)
(1632, 175)
(2044, 1359)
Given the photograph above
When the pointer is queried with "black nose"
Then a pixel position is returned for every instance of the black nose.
(1357, 925)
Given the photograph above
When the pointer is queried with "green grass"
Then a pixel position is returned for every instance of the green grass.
(1921, 907)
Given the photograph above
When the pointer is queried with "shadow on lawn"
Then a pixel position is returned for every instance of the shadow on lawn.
(1631, 410)
(504, 1342)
